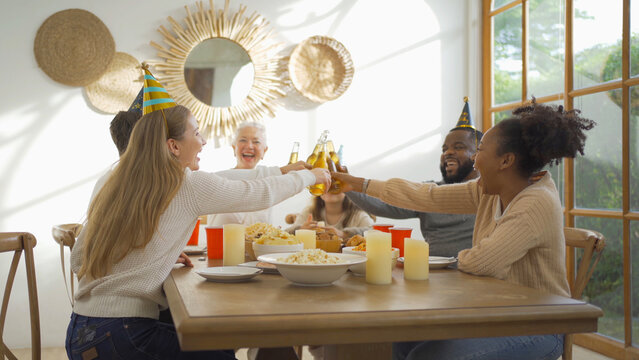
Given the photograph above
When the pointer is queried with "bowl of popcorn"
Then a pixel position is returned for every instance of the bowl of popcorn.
(266, 239)
(312, 267)
(360, 250)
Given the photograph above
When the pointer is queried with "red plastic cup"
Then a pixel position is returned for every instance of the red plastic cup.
(383, 227)
(214, 241)
(398, 234)
(196, 234)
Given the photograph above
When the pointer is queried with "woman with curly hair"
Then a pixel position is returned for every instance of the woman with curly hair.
(518, 235)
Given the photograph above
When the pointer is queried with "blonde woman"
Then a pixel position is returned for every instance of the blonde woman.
(137, 225)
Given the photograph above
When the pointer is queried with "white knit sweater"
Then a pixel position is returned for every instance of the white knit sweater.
(133, 288)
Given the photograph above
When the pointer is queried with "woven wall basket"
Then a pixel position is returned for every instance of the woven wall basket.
(116, 89)
(321, 68)
(74, 47)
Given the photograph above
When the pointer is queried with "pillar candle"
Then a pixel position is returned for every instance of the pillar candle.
(307, 237)
(378, 257)
(233, 244)
(415, 259)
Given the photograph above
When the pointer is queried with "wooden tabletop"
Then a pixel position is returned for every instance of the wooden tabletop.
(270, 311)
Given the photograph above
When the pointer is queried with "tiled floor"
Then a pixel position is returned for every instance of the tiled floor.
(59, 354)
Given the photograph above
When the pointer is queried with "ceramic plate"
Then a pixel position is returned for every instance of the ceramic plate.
(436, 262)
(229, 273)
(194, 250)
(265, 267)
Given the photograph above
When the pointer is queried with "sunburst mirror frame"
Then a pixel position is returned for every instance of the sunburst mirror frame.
(253, 35)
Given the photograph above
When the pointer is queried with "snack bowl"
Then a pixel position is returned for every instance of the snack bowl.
(312, 274)
(261, 249)
(360, 269)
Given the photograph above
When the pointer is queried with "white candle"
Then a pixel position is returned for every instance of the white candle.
(378, 257)
(307, 237)
(233, 244)
(415, 259)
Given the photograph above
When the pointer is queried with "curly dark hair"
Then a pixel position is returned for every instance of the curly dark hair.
(541, 134)
(121, 127)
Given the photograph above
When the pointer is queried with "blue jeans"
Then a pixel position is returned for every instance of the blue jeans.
(538, 347)
(129, 338)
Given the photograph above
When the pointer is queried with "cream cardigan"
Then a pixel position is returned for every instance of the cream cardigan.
(525, 245)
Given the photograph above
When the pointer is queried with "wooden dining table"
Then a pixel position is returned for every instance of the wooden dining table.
(360, 320)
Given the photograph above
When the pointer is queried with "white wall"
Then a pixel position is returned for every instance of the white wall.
(414, 62)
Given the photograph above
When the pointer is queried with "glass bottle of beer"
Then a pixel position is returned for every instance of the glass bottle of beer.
(333, 165)
(320, 142)
(294, 153)
(321, 162)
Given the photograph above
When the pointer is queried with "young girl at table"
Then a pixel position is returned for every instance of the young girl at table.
(339, 214)
(518, 235)
(138, 224)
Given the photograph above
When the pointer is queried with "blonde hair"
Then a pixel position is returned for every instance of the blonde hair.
(125, 213)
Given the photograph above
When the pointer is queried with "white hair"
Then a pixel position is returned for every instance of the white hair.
(259, 126)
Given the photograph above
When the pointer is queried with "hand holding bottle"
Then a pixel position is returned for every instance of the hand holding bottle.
(349, 182)
(322, 177)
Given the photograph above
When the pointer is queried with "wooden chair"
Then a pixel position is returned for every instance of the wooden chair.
(65, 235)
(19, 242)
(592, 243)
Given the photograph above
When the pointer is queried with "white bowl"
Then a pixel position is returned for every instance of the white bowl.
(312, 274)
(360, 269)
(261, 249)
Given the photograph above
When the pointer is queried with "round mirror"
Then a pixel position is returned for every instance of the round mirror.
(234, 65)
(219, 72)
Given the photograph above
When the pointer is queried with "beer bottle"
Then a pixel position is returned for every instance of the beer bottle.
(333, 165)
(321, 162)
(320, 142)
(294, 153)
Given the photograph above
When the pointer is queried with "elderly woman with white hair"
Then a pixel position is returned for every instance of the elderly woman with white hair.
(249, 146)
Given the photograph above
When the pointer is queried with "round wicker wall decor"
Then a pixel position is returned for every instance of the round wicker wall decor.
(116, 89)
(74, 47)
(321, 68)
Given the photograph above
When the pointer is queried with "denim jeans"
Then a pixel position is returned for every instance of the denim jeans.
(538, 347)
(129, 338)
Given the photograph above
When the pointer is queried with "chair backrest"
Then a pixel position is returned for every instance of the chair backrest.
(19, 242)
(65, 235)
(593, 244)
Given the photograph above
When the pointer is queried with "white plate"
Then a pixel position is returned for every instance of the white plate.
(313, 274)
(436, 262)
(194, 250)
(266, 267)
(229, 273)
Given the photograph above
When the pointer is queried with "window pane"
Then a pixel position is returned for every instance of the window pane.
(507, 62)
(596, 42)
(605, 288)
(598, 172)
(499, 3)
(501, 115)
(634, 40)
(634, 148)
(546, 47)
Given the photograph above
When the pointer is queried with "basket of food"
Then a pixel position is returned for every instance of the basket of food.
(262, 239)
